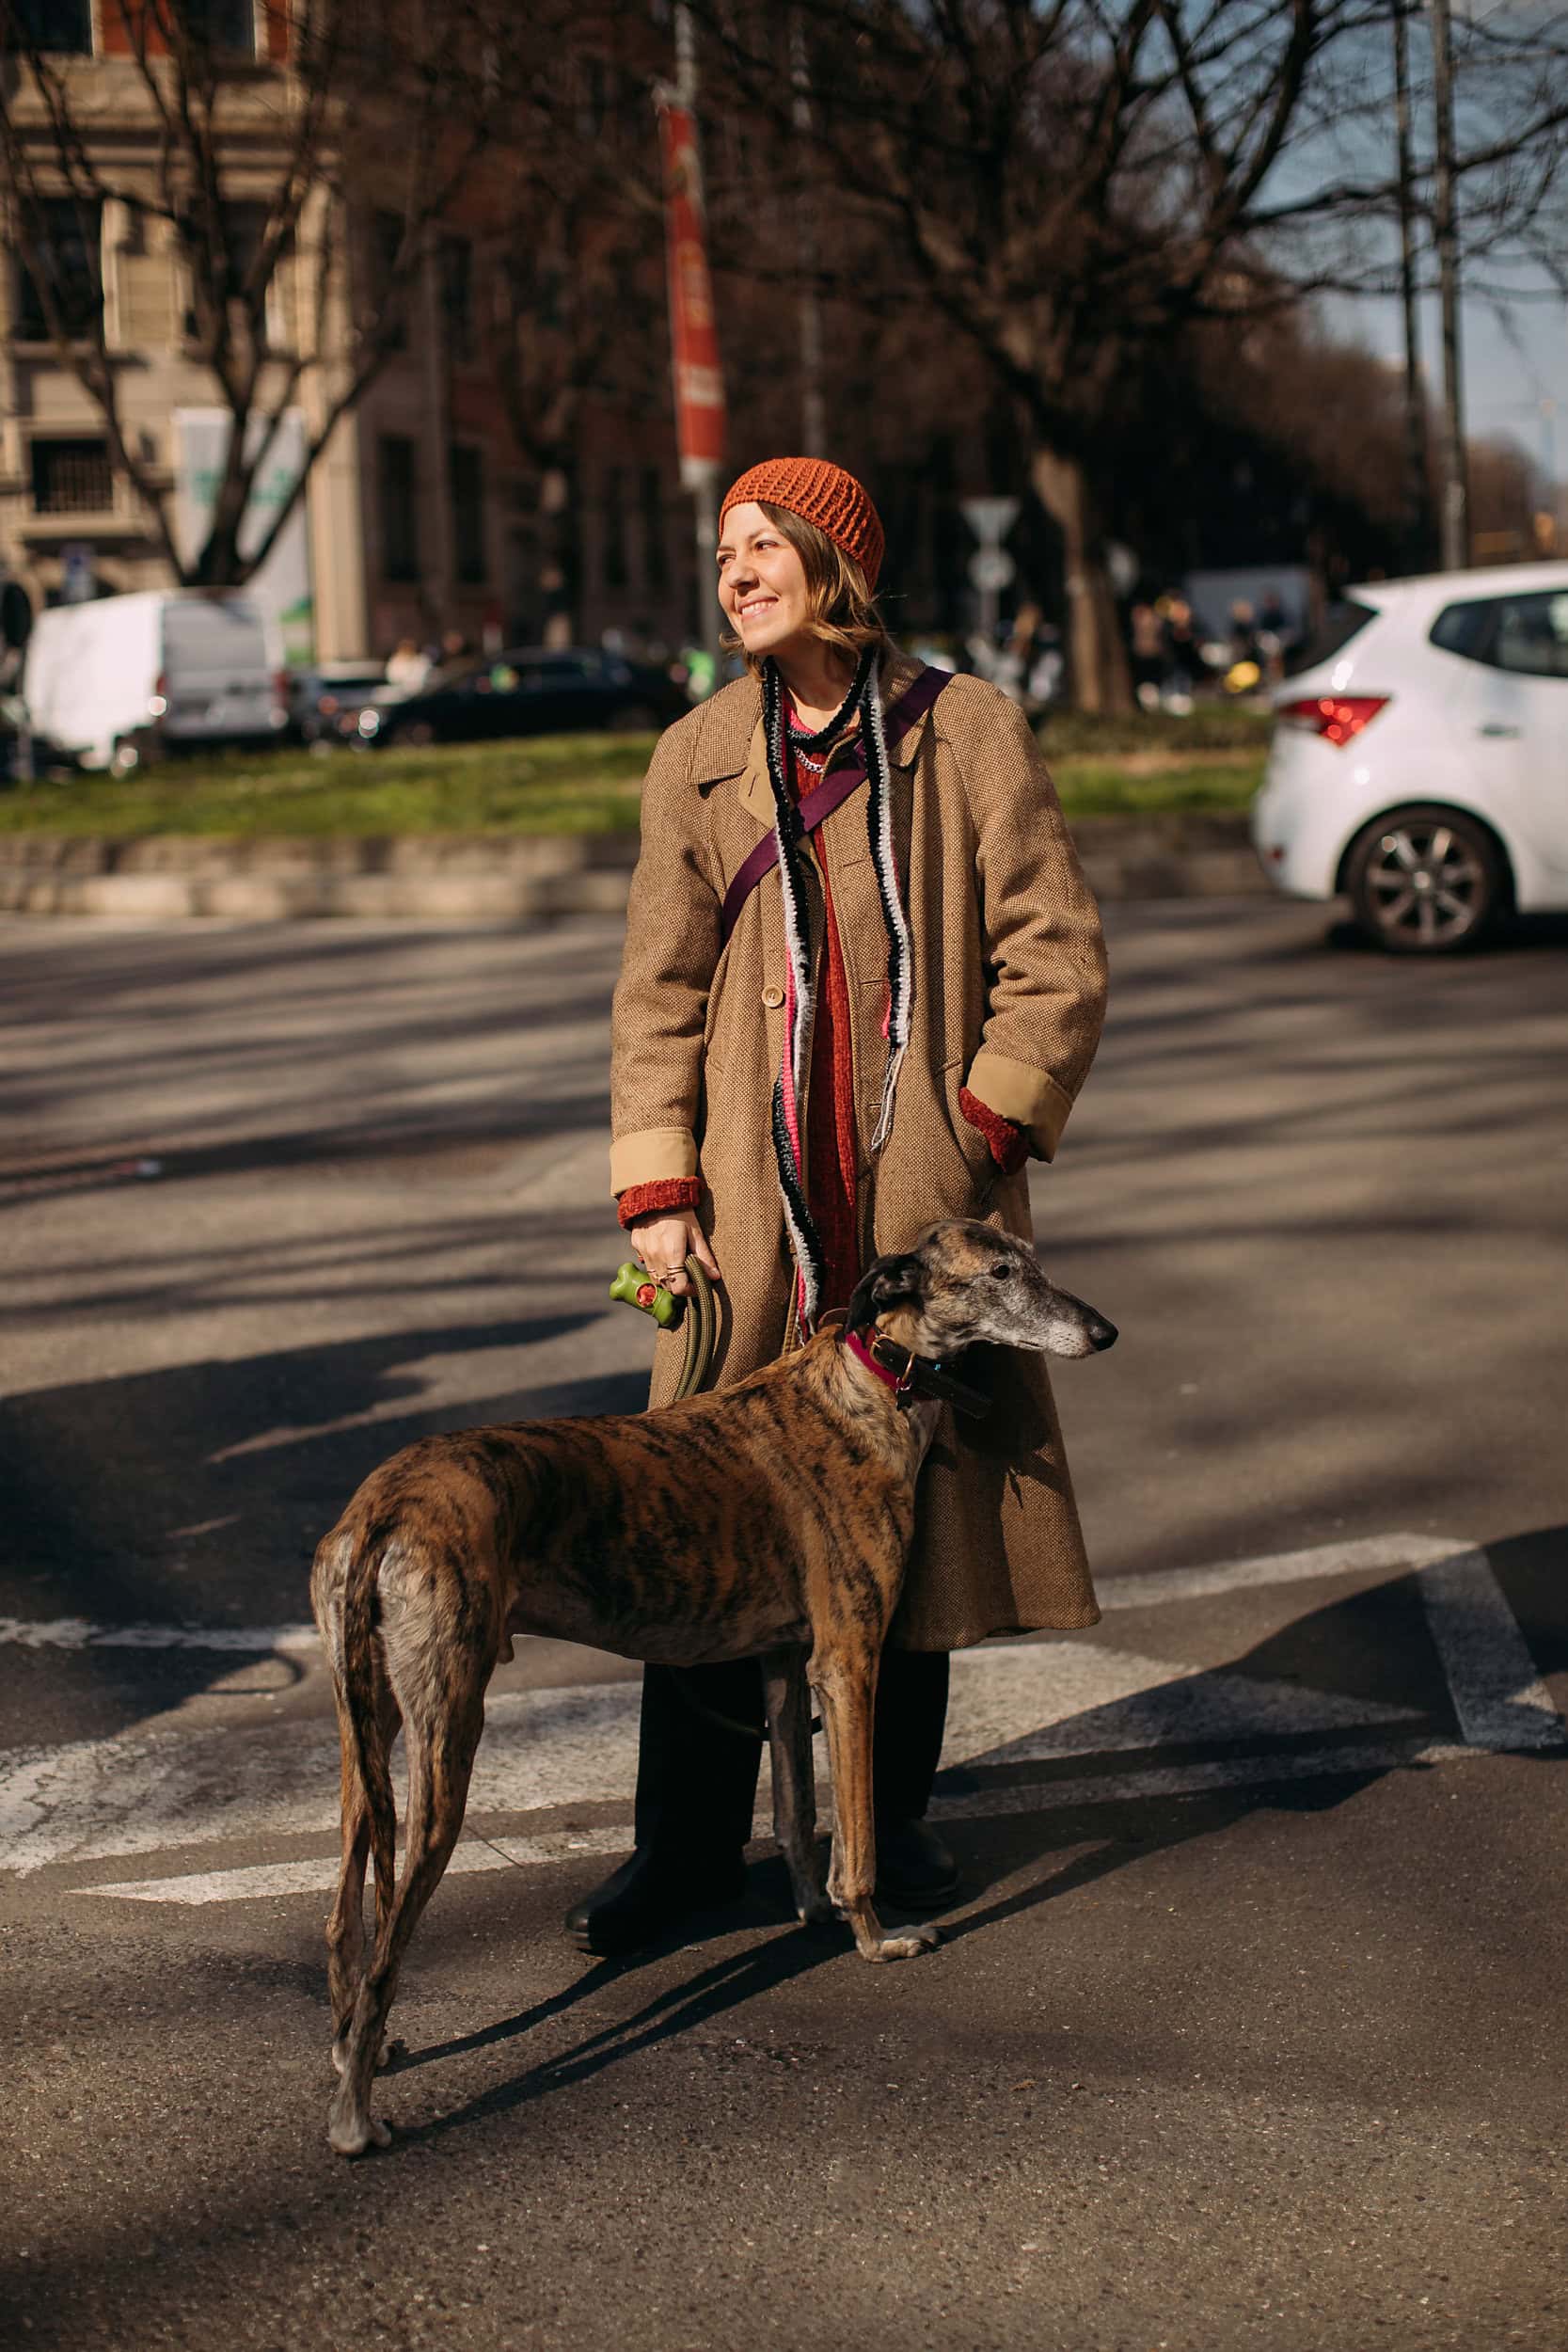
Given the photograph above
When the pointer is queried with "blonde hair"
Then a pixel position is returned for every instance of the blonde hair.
(843, 611)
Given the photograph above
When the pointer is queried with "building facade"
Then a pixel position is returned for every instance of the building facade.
(420, 518)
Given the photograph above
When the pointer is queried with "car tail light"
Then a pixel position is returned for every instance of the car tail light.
(1335, 717)
(159, 702)
(326, 704)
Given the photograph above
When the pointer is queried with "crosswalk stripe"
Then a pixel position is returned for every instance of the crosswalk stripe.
(164, 1788)
(1139, 1591)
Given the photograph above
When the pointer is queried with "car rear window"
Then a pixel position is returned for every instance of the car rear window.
(1526, 634)
(1340, 623)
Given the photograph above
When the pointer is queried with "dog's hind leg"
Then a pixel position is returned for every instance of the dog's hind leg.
(847, 1692)
(783, 1680)
(345, 1926)
(441, 1742)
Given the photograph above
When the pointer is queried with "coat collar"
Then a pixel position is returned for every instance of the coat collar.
(731, 742)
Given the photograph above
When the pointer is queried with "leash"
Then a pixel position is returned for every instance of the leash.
(634, 1285)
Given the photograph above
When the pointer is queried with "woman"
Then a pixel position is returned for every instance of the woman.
(815, 1054)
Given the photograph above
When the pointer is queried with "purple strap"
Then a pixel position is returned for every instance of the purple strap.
(833, 789)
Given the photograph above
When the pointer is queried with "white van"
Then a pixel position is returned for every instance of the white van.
(125, 678)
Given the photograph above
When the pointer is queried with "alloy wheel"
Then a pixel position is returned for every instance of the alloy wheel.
(1424, 885)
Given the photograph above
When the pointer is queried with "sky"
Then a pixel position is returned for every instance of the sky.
(1510, 374)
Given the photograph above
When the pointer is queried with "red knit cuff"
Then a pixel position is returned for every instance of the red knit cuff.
(674, 1192)
(1009, 1144)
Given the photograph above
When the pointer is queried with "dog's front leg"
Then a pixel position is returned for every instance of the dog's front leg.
(783, 1679)
(847, 1692)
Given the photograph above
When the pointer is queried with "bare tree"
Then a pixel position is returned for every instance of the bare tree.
(579, 292)
(248, 176)
(1069, 182)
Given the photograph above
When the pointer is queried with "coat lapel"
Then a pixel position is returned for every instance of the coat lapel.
(752, 788)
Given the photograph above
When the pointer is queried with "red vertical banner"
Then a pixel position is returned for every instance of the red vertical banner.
(693, 336)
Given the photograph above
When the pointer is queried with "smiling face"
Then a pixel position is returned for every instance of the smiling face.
(762, 582)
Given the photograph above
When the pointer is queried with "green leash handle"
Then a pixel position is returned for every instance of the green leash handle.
(637, 1288)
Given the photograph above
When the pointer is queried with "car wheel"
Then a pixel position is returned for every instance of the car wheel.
(1424, 882)
(125, 757)
(634, 719)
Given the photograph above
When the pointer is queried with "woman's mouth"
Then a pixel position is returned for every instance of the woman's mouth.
(755, 609)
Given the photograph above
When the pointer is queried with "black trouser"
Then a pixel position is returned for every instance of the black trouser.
(697, 1779)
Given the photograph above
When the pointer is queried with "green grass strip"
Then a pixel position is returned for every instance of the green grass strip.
(573, 784)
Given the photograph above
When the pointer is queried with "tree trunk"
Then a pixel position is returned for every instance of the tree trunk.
(1097, 657)
(560, 574)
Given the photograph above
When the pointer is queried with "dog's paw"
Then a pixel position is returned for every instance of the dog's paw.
(352, 2135)
(907, 1945)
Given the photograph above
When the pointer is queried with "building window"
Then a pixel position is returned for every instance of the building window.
(72, 478)
(613, 545)
(457, 296)
(71, 261)
(388, 319)
(400, 508)
(64, 27)
(467, 513)
(655, 553)
(226, 27)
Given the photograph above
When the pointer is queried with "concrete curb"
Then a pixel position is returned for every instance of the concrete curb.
(500, 877)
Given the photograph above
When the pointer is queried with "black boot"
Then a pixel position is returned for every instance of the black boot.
(696, 1787)
(916, 1870)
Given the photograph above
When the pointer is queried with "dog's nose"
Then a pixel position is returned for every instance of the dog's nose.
(1101, 1334)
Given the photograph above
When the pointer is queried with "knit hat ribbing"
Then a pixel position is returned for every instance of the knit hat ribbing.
(821, 494)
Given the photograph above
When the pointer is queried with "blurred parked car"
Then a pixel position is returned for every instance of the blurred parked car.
(1419, 761)
(123, 679)
(324, 702)
(531, 691)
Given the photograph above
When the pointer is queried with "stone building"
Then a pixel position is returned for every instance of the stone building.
(419, 517)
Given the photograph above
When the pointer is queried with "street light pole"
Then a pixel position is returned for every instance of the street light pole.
(1454, 518)
(1418, 552)
(813, 416)
(700, 475)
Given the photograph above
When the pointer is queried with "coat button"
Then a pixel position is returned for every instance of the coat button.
(772, 998)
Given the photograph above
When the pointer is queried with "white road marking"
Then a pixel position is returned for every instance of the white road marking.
(167, 1787)
(81, 1633)
(1149, 1591)
(1500, 1698)
(268, 1879)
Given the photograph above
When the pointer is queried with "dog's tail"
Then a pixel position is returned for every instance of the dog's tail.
(346, 1593)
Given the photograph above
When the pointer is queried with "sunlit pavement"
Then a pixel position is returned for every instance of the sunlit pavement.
(1248, 2029)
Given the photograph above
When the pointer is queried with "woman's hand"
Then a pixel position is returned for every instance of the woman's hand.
(665, 1240)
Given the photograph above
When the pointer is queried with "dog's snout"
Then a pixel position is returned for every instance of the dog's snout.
(1101, 1334)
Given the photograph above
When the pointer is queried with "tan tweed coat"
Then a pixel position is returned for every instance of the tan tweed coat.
(1009, 992)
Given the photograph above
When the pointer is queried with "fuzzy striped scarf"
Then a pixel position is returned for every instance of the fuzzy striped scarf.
(789, 1086)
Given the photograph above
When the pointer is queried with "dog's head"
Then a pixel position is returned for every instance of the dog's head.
(964, 1283)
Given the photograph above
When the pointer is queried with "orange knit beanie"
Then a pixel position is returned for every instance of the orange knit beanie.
(821, 494)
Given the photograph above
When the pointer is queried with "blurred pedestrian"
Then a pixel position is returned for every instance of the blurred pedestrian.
(1184, 662)
(407, 668)
(1149, 657)
(878, 1030)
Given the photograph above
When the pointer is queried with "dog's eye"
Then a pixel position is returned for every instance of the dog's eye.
(1002, 1273)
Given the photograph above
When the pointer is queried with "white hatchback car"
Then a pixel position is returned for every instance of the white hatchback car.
(1419, 762)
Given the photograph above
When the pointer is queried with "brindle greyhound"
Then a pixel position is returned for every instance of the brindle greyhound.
(769, 1519)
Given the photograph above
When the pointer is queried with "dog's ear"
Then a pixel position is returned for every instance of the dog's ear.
(891, 1281)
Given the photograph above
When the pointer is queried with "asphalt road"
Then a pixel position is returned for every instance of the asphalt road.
(1248, 2031)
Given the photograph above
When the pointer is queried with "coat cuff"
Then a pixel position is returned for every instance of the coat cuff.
(676, 1192)
(656, 1156)
(1009, 1145)
(1029, 1097)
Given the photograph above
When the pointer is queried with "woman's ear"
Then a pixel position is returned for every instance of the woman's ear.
(891, 1281)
